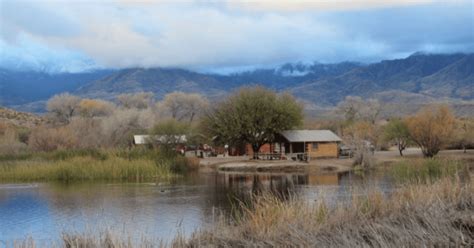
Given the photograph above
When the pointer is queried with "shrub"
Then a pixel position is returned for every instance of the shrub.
(9, 142)
(431, 129)
(50, 139)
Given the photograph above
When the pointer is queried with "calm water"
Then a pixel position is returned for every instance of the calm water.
(44, 210)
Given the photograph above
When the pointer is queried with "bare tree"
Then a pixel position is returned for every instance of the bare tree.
(63, 106)
(355, 108)
(119, 128)
(370, 110)
(184, 106)
(140, 100)
(350, 108)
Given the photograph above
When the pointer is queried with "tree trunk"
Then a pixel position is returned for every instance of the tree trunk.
(256, 149)
(192, 117)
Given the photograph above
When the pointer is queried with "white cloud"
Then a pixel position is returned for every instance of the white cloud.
(227, 35)
(321, 5)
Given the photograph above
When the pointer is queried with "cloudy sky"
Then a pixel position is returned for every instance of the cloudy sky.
(79, 35)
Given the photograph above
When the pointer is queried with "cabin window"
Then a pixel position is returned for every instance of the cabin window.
(315, 146)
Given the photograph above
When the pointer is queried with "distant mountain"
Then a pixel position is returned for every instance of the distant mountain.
(435, 76)
(23, 87)
(412, 81)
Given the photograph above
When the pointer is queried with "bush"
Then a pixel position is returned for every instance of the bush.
(10, 143)
(50, 139)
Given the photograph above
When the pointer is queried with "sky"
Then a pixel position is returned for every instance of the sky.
(227, 35)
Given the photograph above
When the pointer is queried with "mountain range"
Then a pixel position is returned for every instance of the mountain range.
(402, 85)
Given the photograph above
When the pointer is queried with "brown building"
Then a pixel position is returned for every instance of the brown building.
(303, 145)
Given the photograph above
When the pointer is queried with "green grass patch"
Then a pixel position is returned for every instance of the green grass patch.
(83, 168)
(94, 164)
(426, 170)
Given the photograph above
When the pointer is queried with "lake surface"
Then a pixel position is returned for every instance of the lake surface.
(158, 209)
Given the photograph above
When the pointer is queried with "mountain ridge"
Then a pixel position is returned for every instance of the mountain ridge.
(419, 78)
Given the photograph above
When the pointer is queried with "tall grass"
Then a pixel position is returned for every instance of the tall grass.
(83, 168)
(427, 170)
(93, 164)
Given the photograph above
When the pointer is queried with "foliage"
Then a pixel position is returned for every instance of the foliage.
(253, 115)
(397, 131)
(431, 128)
(49, 139)
(10, 142)
(63, 107)
(463, 136)
(93, 108)
(169, 135)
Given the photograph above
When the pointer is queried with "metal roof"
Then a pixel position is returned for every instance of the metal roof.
(310, 136)
(146, 139)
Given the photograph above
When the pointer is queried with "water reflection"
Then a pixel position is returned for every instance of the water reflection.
(157, 209)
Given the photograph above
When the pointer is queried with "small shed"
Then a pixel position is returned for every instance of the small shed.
(310, 143)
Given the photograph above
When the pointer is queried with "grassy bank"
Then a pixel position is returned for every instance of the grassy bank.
(70, 165)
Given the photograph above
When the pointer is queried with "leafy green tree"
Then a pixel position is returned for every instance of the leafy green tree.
(397, 131)
(169, 134)
(253, 115)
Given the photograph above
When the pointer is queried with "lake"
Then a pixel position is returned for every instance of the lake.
(159, 209)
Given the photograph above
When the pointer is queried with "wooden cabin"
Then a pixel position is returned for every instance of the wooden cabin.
(302, 145)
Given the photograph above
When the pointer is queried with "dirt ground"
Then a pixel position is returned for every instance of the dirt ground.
(243, 163)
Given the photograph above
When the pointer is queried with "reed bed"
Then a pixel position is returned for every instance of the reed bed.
(93, 164)
(428, 170)
(83, 168)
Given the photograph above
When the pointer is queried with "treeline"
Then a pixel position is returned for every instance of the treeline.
(81, 123)
(433, 128)
(252, 115)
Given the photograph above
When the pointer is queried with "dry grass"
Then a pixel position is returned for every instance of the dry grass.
(440, 214)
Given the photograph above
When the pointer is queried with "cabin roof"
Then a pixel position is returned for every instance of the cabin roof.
(146, 139)
(310, 136)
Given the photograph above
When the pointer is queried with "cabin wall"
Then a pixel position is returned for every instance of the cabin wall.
(266, 148)
(323, 150)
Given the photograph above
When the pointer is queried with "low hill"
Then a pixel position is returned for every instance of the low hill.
(16, 118)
